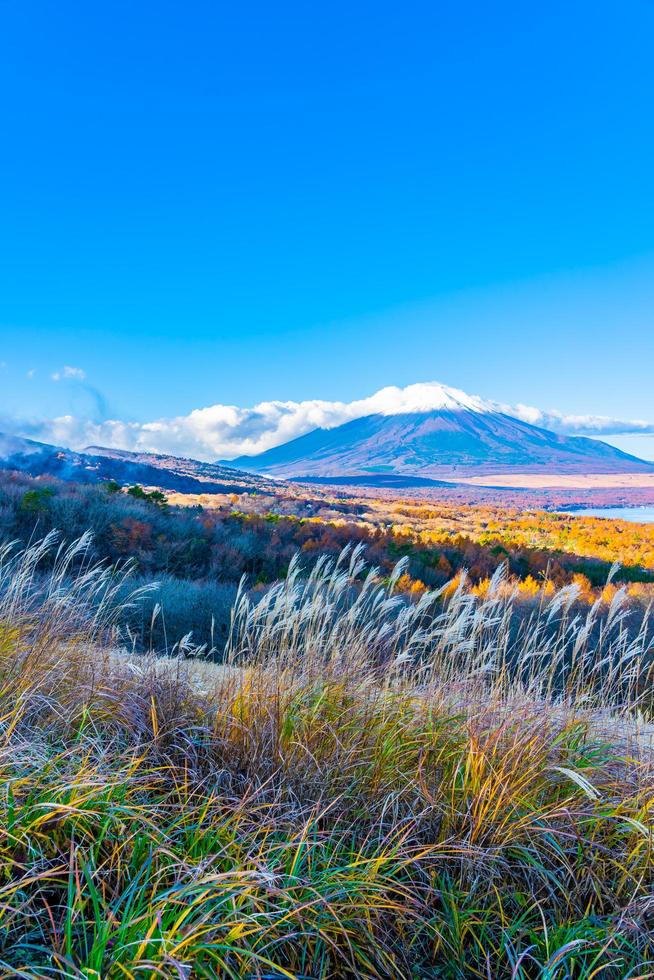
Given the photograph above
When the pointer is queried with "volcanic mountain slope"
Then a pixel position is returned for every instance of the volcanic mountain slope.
(449, 443)
(96, 465)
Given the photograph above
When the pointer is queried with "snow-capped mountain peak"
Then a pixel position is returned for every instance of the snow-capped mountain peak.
(426, 396)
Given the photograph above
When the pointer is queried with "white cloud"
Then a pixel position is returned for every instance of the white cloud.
(226, 431)
(67, 372)
(576, 425)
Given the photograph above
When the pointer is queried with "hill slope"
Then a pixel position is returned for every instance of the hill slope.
(98, 464)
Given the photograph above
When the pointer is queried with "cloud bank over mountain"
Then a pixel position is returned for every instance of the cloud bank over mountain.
(226, 431)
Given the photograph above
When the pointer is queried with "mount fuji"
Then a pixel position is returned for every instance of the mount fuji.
(451, 436)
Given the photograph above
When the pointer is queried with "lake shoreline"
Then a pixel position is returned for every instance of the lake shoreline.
(636, 514)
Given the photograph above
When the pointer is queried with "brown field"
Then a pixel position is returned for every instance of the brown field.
(538, 481)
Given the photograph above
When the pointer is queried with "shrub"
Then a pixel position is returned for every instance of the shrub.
(199, 608)
(36, 501)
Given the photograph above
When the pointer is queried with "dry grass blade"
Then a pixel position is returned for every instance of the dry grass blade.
(368, 787)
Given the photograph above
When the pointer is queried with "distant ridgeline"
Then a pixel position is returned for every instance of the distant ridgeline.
(459, 438)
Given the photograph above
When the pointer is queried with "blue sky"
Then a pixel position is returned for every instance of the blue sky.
(210, 203)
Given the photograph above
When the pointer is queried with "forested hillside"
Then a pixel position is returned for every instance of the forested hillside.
(198, 554)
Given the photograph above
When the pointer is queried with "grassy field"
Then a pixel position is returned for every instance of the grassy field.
(366, 787)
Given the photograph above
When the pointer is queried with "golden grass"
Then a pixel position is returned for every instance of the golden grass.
(367, 789)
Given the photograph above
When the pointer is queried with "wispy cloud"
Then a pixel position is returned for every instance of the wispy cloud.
(578, 425)
(68, 372)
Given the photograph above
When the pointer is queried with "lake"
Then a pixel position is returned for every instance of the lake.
(643, 515)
